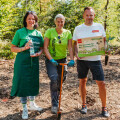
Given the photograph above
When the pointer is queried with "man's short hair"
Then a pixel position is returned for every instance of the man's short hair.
(88, 8)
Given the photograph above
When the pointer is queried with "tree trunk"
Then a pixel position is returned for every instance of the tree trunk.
(105, 22)
(40, 7)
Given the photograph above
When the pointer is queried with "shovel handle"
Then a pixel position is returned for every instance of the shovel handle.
(106, 59)
(62, 64)
(59, 116)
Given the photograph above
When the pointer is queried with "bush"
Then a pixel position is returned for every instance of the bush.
(5, 50)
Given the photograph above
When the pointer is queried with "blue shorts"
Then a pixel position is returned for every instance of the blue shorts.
(94, 66)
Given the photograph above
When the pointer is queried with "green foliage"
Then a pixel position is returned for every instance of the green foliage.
(13, 11)
(5, 51)
(10, 18)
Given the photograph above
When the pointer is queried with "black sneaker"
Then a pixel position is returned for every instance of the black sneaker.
(105, 112)
(84, 109)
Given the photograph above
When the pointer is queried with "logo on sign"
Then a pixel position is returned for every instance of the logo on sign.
(95, 31)
(79, 40)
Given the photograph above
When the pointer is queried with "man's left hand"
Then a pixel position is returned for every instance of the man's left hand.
(108, 51)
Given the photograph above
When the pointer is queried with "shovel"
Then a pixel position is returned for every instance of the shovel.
(106, 59)
(59, 113)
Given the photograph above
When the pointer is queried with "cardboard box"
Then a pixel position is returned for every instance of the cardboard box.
(91, 46)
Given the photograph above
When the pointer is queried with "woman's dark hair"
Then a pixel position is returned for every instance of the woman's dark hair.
(35, 16)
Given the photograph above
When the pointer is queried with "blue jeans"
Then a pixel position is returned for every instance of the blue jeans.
(24, 99)
(54, 74)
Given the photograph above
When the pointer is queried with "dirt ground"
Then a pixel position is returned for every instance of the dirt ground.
(71, 101)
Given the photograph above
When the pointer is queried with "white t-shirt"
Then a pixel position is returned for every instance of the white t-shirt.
(84, 31)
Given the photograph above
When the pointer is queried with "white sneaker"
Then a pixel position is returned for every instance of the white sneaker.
(54, 109)
(25, 113)
(33, 106)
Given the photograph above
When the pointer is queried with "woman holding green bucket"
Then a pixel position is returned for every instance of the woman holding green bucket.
(26, 67)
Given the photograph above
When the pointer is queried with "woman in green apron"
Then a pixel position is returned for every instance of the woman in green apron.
(27, 43)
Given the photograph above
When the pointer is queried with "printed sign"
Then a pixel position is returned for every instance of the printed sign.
(91, 46)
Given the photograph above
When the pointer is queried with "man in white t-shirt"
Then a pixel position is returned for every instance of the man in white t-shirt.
(90, 29)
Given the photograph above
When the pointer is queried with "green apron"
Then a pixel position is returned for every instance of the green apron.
(26, 71)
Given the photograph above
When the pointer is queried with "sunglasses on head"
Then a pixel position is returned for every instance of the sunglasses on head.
(59, 39)
(31, 12)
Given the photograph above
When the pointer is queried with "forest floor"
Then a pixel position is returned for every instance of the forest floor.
(11, 109)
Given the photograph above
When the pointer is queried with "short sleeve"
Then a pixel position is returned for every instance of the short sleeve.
(103, 30)
(16, 39)
(75, 35)
(69, 36)
(42, 41)
(47, 34)
(39, 33)
(41, 38)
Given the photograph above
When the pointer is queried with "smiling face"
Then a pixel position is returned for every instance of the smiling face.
(30, 20)
(59, 23)
(89, 16)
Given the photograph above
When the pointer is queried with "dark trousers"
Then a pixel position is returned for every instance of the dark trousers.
(54, 74)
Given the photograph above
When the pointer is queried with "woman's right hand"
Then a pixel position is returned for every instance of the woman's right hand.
(54, 62)
(27, 45)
